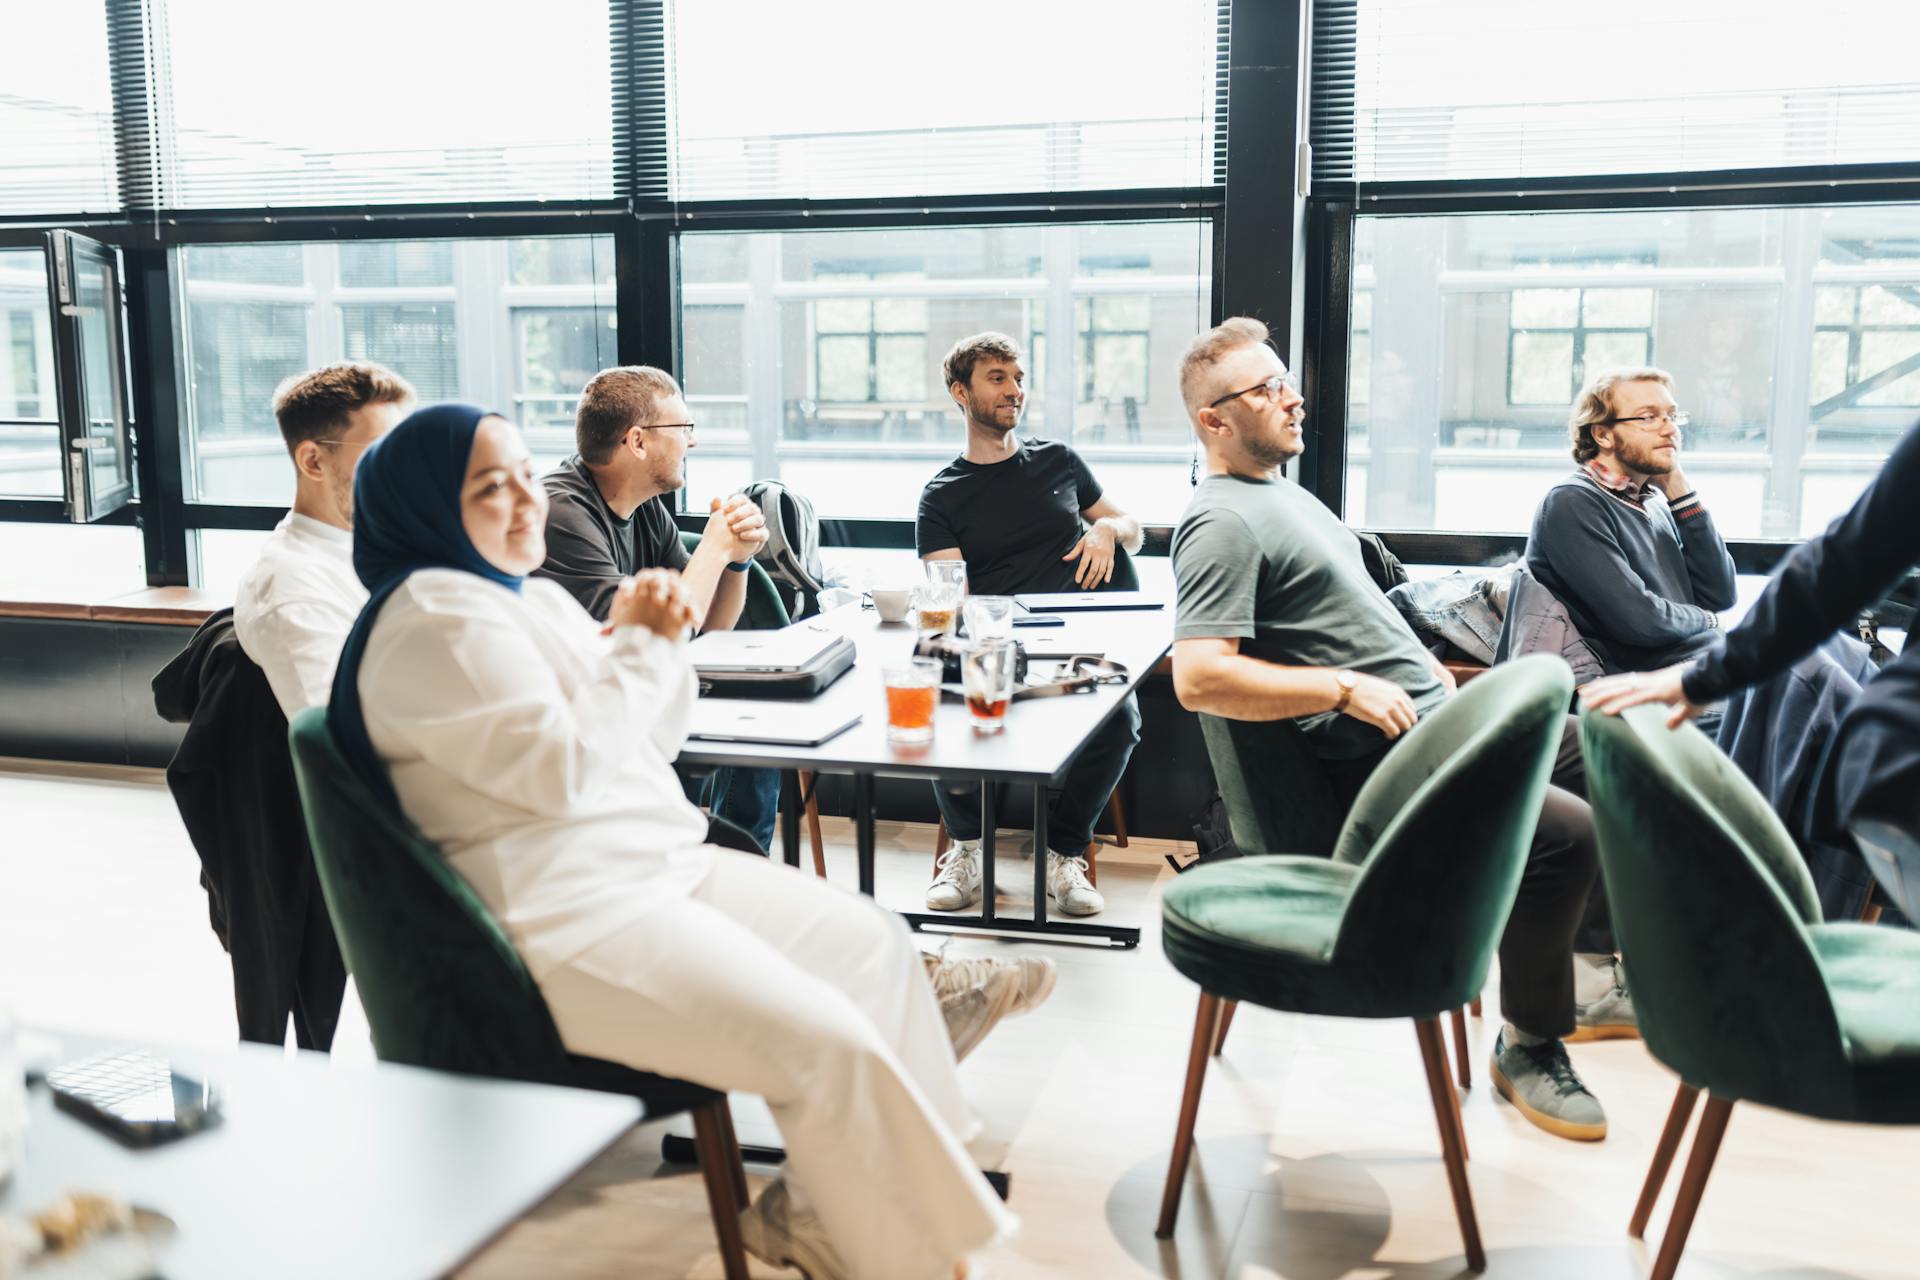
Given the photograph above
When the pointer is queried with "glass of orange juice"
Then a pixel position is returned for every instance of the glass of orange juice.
(913, 690)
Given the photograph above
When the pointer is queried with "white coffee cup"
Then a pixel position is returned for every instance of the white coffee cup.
(893, 604)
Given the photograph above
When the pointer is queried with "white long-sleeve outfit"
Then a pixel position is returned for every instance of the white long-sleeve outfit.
(536, 754)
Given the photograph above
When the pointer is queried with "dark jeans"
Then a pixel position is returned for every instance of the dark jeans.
(1084, 791)
(747, 798)
(1556, 891)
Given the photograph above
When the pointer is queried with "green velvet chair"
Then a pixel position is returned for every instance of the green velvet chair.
(442, 986)
(1739, 986)
(1278, 801)
(1404, 918)
(763, 611)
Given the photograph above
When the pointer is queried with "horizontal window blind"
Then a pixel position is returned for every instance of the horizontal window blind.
(385, 101)
(1410, 90)
(775, 99)
(56, 116)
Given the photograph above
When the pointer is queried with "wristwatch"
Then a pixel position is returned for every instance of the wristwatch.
(1346, 680)
(738, 566)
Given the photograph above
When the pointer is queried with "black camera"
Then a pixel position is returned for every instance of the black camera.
(948, 651)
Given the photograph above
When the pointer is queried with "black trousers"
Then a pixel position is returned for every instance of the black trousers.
(1556, 891)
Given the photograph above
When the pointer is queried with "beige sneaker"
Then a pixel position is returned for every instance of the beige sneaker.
(975, 994)
(777, 1233)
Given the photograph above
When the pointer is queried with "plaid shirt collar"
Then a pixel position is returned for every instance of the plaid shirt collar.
(1619, 484)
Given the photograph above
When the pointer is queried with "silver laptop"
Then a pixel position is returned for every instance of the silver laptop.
(1088, 601)
(788, 649)
(790, 724)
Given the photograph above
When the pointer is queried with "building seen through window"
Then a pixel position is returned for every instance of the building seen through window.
(29, 414)
(1793, 336)
(515, 325)
(814, 357)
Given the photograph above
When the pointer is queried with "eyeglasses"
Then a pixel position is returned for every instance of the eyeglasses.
(1269, 388)
(669, 426)
(1678, 417)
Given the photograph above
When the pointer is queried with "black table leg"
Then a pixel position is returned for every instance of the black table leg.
(987, 820)
(862, 830)
(790, 816)
(1040, 855)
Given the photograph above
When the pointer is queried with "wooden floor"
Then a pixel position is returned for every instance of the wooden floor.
(1317, 1154)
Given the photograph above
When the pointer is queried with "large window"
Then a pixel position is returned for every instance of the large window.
(876, 97)
(814, 357)
(515, 325)
(1417, 90)
(370, 101)
(1793, 336)
(56, 111)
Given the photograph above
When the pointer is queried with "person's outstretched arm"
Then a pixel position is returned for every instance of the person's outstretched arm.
(1823, 583)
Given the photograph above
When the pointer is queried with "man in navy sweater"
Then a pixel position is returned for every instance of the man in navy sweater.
(1623, 542)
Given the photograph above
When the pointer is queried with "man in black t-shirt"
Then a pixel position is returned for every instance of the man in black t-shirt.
(607, 519)
(1026, 515)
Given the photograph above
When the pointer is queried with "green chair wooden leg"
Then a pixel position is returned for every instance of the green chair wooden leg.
(1693, 1183)
(1453, 1151)
(726, 1182)
(1669, 1143)
(1226, 1020)
(1204, 1021)
(1462, 1070)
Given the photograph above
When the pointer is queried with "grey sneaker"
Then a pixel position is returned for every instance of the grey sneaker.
(1541, 1082)
(1068, 886)
(1610, 1017)
(777, 1233)
(956, 883)
(975, 994)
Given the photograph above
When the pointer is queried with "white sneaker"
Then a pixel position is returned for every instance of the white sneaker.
(956, 883)
(775, 1232)
(1069, 888)
(975, 994)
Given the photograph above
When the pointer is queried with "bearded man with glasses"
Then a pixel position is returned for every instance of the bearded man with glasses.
(1624, 542)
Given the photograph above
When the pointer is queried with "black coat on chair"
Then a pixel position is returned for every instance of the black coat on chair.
(232, 779)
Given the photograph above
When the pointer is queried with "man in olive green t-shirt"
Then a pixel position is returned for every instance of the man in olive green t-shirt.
(1278, 620)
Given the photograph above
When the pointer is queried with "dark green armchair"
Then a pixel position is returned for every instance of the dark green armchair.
(1403, 919)
(1739, 986)
(442, 986)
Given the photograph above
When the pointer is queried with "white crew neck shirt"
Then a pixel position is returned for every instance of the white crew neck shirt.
(295, 606)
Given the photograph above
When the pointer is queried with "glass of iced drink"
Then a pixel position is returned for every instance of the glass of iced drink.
(913, 690)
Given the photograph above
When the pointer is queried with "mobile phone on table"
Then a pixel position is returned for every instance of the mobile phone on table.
(135, 1095)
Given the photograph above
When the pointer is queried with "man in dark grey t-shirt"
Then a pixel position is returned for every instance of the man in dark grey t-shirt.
(1278, 620)
(607, 519)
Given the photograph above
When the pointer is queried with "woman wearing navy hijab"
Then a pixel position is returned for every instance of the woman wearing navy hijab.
(534, 749)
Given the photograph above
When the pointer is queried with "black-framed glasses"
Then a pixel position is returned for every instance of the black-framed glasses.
(668, 426)
(1269, 387)
(1678, 417)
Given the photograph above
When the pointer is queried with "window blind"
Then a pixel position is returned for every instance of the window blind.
(1409, 90)
(777, 99)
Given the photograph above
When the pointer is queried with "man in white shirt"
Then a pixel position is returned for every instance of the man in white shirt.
(296, 604)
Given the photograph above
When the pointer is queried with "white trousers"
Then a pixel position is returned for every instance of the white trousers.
(772, 982)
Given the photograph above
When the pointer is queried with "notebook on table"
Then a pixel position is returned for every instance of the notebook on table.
(1089, 601)
(797, 724)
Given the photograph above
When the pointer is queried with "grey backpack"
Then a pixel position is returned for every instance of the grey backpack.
(792, 554)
